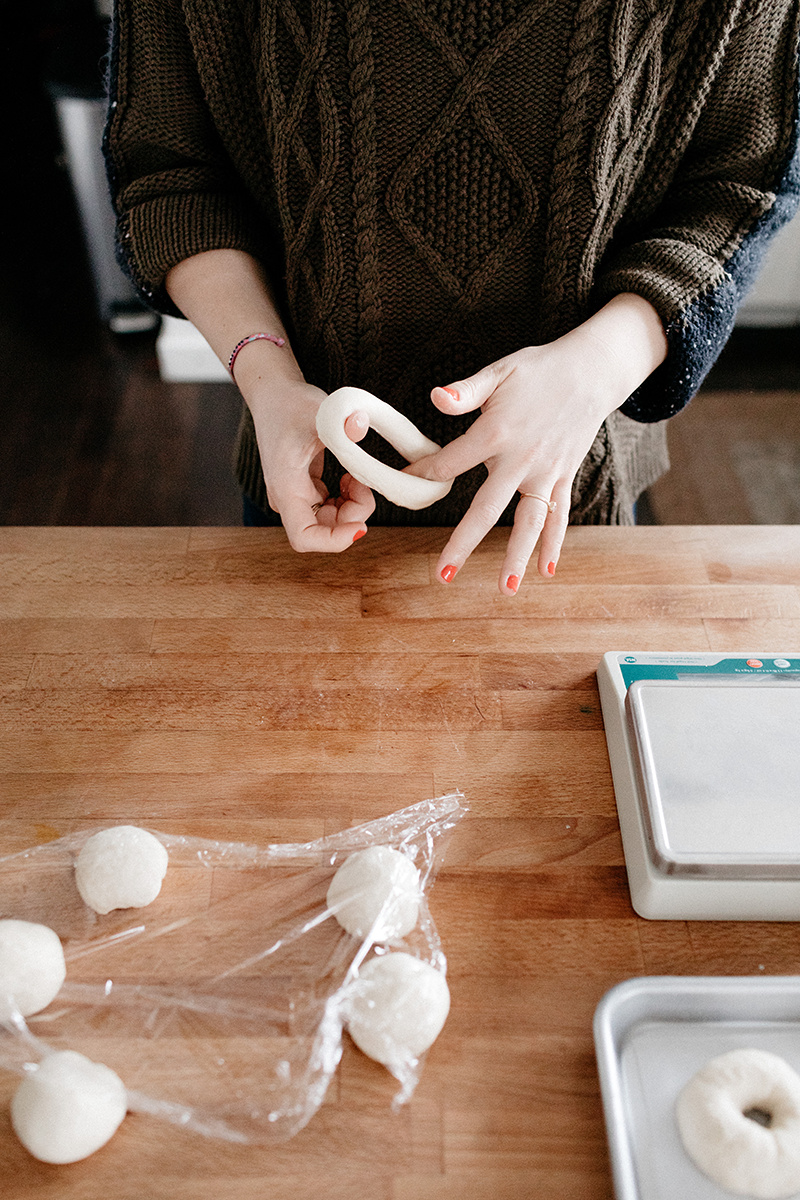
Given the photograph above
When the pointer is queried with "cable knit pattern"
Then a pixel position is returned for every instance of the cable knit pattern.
(584, 53)
(463, 196)
(656, 62)
(625, 129)
(365, 197)
(432, 184)
(472, 25)
(307, 168)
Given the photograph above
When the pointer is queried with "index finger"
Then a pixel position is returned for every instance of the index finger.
(488, 504)
(458, 456)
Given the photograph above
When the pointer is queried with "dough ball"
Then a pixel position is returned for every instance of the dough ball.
(375, 892)
(68, 1107)
(32, 967)
(398, 1007)
(120, 868)
(737, 1150)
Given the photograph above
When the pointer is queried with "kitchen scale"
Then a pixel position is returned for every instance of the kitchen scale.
(705, 758)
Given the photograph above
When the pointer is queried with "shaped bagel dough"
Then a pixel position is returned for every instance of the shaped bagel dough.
(730, 1147)
(409, 491)
(32, 967)
(68, 1107)
(121, 867)
(397, 1009)
(375, 893)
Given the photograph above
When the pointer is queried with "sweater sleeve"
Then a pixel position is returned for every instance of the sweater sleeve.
(736, 185)
(172, 184)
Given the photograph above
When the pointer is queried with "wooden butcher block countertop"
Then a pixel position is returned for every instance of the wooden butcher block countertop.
(210, 682)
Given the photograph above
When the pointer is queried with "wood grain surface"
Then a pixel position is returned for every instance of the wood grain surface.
(211, 682)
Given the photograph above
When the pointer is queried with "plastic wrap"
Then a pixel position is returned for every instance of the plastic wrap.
(221, 1005)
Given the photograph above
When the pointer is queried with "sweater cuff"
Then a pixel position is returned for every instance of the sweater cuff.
(696, 288)
(156, 235)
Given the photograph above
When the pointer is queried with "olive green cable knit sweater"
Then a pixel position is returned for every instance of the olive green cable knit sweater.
(433, 184)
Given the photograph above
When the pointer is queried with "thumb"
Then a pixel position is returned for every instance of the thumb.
(357, 425)
(468, 394)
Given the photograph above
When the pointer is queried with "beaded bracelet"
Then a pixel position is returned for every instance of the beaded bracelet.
(253, 337)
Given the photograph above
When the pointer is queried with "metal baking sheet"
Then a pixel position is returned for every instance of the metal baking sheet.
(651, 1036)
(718, 766)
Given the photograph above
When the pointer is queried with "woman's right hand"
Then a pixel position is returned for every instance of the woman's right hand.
(227, 296)
(292, 459)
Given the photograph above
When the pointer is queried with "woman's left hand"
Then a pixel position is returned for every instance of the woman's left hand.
(541, 408)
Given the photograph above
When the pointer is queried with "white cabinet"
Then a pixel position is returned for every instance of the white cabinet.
(184, 355)
(774, 298)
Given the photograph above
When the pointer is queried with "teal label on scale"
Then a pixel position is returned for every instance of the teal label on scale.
(633, 668)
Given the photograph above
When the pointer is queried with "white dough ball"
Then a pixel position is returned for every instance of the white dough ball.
(735, 1150)
(121, 867)
(375, 892)
(32, 967)
(68, 1107)
(397, 1009)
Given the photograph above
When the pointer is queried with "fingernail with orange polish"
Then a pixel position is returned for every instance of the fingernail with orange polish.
(512, 583)
(449, 573)
(452, 392)
(359, 533)
(551, 568)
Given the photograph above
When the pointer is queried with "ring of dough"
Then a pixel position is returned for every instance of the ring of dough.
(733, 1149)
(410, 491)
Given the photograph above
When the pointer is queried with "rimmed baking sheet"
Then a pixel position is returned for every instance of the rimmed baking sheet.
(651, 1036)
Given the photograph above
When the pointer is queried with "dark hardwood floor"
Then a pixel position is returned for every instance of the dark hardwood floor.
(90, 433)
(92, 436)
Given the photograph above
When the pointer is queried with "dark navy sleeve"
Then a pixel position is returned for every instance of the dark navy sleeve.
(697, 337)
(736, 186)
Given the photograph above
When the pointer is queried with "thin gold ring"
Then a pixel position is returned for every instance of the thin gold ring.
(316, 507)
(551, 504)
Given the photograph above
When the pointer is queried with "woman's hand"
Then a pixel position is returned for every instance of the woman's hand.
(541, 408)
(292, 460)
(227, 296)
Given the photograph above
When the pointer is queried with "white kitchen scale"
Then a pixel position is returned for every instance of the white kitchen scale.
(705, 758)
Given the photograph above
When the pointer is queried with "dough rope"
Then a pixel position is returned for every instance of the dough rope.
(409, 491)
(737, 1151)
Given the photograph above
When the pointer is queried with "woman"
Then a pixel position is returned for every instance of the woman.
(526, 225)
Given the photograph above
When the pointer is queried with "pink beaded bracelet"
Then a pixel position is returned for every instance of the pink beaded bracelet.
(253, 337)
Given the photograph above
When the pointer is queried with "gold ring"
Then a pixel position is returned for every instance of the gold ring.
(316, 507)
(551, 504)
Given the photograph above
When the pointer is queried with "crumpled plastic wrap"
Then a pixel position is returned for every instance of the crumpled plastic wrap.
(221, 1005)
